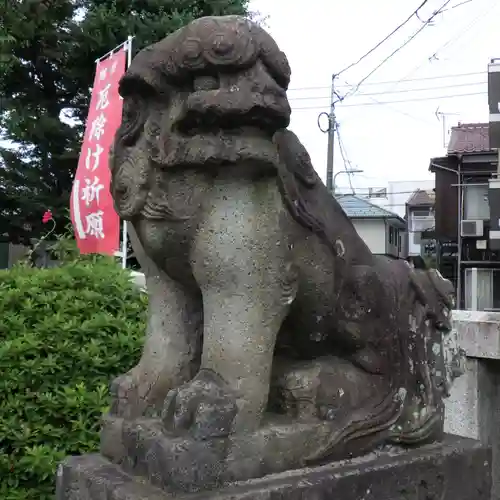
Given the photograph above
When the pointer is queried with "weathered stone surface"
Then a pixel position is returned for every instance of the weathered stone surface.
(473, 408)
(183, 464)
(457, 469)
(264, 300)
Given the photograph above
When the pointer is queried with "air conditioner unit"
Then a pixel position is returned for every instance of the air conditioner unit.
(472, 228)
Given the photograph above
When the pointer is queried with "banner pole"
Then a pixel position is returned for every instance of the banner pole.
(125, 234)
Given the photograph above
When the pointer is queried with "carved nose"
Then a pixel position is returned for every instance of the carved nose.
(235, 107)
(234, 100)
(222, 46)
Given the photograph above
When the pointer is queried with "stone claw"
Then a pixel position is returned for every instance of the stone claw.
(203, 406)
(124, 395)
(131, 394)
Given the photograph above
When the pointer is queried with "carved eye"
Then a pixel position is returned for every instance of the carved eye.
(133, 119)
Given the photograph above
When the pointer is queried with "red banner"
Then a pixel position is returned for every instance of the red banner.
(96, 224)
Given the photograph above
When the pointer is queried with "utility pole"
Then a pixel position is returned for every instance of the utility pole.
(332, 123)
(330, 130)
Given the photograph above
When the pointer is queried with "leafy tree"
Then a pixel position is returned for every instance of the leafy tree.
(48, 50)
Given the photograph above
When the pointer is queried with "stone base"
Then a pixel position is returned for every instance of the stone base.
(457, 469)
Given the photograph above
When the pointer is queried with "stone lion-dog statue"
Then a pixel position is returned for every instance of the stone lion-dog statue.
(268, 315)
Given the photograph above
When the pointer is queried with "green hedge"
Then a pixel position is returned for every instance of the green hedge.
(64, 334)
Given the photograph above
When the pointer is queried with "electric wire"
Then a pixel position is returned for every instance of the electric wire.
(459, 34)
(395, 109)
(439, 77)
(394, 52)
(382, 205)
(431, 98)
(389, 192)
(394, 31)
(345, 159)
(400, 91)
(457, 5)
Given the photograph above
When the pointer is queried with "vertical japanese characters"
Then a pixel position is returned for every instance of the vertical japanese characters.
(96, 224)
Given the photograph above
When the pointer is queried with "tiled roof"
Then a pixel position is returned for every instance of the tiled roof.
(469, 138)
(422, 197)
(356, 207)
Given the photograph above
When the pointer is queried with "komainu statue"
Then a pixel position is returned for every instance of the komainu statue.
(276, 339)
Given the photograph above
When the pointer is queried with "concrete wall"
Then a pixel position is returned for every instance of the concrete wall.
(473, 409)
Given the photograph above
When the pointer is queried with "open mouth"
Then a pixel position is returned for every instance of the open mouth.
(217, 136)
(230, 133)
(258, 123)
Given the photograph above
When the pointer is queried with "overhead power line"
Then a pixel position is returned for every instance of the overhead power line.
(459, 34)
(394, 31)
(389, 193)
(336, 97)
(345, 159)
(394, 52)
(440, 77)
(382, 205)
(457, 5)
(397, 101)
(400, 91)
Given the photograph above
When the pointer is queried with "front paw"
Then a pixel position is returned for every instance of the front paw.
(125, 400)
(204, 406)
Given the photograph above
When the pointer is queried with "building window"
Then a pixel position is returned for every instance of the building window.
(421, 220)
(391, 235)
(482, 289)
(421, 212)
(476, 204)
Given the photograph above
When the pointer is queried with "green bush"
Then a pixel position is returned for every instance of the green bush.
(65, 333)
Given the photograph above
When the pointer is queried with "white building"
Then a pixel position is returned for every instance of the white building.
(382, 230)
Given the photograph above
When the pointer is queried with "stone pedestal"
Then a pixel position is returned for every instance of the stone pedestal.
(457, 469)
(473, 408)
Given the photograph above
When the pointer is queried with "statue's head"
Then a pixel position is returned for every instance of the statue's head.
(212, 93)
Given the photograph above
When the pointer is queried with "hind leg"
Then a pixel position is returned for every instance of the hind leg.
(171, 351)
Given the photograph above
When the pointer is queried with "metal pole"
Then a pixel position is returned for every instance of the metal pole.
(334, 182)
(459, 239)
(444, 130)
(127, 41)
(331, 139)
(124, 228)
(348, 172)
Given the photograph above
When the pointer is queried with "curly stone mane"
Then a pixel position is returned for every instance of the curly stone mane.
(170, 66)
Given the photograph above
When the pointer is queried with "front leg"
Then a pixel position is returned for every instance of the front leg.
(242, 262)
(170, 354)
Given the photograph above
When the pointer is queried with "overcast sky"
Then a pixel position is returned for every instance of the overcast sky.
(390, 142)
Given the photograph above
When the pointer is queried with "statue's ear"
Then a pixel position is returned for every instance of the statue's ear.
(294, 156)
(443, 286)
